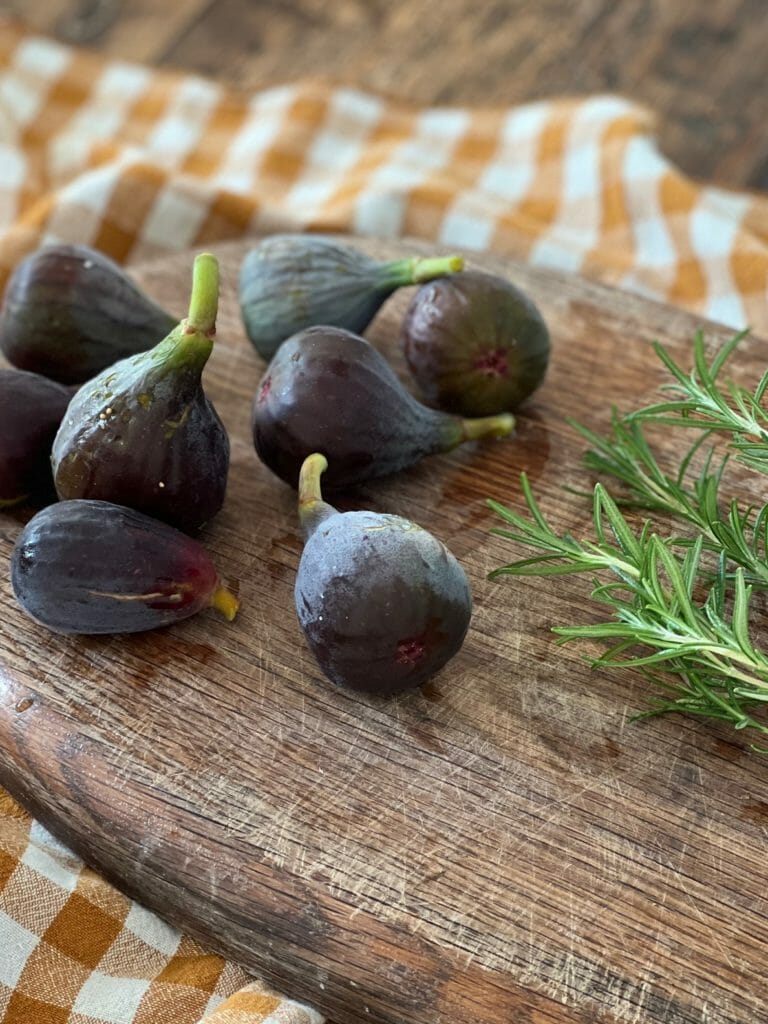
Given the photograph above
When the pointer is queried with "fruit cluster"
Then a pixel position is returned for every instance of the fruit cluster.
(115, 424)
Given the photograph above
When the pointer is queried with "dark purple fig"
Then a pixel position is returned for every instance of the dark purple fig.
(31, 409)
(143, 433)
(69, 312)
(94, 567)
(383, 603)
(328, 390)
(288, 282)
(475, 344)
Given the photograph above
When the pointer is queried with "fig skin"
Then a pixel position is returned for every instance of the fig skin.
(327, 390)
(289, 282)
(382, 602)
(143, 433)
(475, 344)
(31, 409)
(69, 312)
(91, 567)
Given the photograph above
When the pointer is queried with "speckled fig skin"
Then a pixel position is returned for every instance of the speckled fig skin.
(31, 409)
(475, 344)
(157, 444)
(144, 434)
(93, 567)
(289, 282)
(69, 312)
(382, 602)
(328, 390)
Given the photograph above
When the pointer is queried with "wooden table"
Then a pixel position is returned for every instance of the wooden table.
(701, 67)
(503, 846)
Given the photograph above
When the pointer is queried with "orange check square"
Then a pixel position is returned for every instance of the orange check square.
(82, 931)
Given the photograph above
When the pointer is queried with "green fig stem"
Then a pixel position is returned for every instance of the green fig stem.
(417, 271)
(488, 426)
(204, 302)
(190, 343)
(436, 266)
(312, 508)
(224, 601)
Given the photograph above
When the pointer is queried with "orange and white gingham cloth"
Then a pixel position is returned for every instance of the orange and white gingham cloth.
(138, 163)
(73, 950)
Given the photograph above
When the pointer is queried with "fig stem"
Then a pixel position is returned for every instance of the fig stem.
(312, 508)
(418, 270)
(488, 426)
(436, 266)
(224, 601)
(204, 301)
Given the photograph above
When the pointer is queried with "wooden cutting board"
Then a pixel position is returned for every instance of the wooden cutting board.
(503, 846)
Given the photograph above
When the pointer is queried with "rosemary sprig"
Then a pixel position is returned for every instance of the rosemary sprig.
(702, 403)
(680, 604)
(626, 455)
(658, 625)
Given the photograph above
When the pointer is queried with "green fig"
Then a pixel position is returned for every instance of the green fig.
(92, 567)
(69, 312)
(31, 409)
(288, 282)
(475, 344)
(383, 604)
(143, 432)
(327, 390)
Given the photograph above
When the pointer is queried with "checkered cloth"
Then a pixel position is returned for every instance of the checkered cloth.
(73, 950)
(139, 163)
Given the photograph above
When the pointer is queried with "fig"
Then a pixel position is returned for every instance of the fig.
(288, 282)
(143, 433)
(69, 312)
(475, 344)
(93, 567)
(329, 391)
(382, 602)
(31, 409)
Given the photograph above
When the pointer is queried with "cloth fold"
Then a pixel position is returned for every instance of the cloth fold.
(139, 163)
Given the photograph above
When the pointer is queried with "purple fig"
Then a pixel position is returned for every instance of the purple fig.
(143, 433)
(31, 409)
(383, 604)
(475, 344)
(289, 282)
(69, 312)
(93, 567)
(328, 390)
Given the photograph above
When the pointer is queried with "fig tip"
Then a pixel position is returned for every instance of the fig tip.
(316, 463)
(497, 426)
(204, 301)
(224, 601)
(312, 508)
(312, 468)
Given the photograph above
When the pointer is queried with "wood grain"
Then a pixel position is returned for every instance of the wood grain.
(505, 845)
(701, 67)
